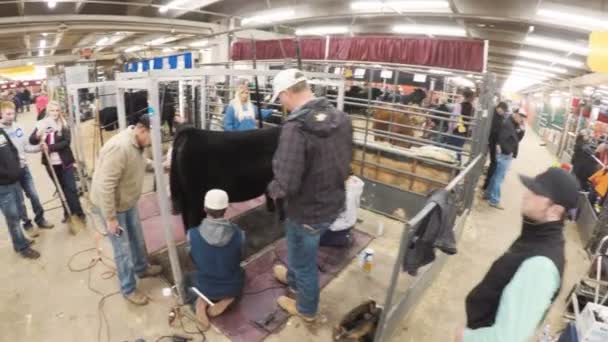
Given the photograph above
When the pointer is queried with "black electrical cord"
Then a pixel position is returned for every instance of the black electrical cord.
(99, 259)
(164, 337)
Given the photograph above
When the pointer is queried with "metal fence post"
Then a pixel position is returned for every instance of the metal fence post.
(161, 190)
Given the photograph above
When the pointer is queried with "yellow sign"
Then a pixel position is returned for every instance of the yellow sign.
(598, 52)
(18, 70)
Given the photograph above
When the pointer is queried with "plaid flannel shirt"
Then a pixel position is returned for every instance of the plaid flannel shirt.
(312, 162)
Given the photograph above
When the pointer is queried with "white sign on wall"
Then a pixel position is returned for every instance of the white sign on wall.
(386, 74)
(420, 78)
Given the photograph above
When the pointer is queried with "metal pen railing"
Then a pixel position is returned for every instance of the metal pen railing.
(393, 313)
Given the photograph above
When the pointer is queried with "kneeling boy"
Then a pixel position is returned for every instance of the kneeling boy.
(216, 247)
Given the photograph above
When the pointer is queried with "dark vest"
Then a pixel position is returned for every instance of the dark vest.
(218, 271)
(535, 240)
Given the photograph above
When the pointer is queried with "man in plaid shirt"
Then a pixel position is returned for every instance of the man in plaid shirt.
(310, 166)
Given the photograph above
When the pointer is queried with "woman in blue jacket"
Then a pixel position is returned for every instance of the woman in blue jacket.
(241, 113)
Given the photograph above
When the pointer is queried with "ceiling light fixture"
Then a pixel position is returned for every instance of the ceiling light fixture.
(534, 72)
(268, 17)
(570, 19)
(557, 44)
(134, 48)
(177, 3)
(413, 29)
(51, 4)
(42, 44)
(402, 6)
(516, 83)
(553, 58)
(41, 53)
(162, 40)
(321, 30)
(170, 5)
(200, 43)
(541, 66)
(102, 41)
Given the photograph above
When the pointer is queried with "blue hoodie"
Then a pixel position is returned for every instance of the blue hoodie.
(232, 123)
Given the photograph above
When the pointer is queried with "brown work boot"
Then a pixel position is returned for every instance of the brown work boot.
(151, 271)
(289, 305)
(496, 206)
(220, 307)
(280, 274)
(201, 314)
(137, 298)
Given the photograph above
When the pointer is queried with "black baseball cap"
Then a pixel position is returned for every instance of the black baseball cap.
(556, 184)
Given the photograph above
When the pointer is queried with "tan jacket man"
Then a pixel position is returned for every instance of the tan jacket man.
(117, 186)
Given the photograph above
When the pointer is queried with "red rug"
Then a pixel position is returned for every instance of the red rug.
(259, 295)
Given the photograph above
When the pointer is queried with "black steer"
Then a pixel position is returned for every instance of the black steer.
(239, 163)
(136, 104)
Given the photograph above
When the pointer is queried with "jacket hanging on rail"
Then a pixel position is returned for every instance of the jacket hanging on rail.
(435, 231)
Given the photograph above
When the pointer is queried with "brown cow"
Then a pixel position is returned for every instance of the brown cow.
(391, 125)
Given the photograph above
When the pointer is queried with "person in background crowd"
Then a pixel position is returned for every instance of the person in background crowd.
(500, 113)
(583, 164)
(26, 98)
(339, 233)
(310, 166)
(54, 137)
(520, 129)
(507, 148)
(10, 172)
(115, 190)
(19, 140)
(513, 297)
(599, 180)
(241, 114)
(17, 99)
(462, 113)
(439, 123)
(217, 248)
(41, 102)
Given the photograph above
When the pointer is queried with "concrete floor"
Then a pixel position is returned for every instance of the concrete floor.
(43, 301)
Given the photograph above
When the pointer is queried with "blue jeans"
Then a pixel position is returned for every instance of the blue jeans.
(27, 184)
(67, 181)
(129, 249)
(302, 274)
(9, 197)
(502, 166)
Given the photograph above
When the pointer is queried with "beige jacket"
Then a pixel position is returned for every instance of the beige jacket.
(119, 175)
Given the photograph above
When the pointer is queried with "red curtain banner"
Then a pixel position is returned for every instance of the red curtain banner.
(442, 53)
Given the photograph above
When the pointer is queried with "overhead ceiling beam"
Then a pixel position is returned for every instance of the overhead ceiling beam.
(41, 23)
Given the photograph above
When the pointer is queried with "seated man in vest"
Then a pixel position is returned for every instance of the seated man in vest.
(339, 233)
(513, 297)
(216, 247)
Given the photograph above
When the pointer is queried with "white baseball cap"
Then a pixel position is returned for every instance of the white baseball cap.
(284, 80)
(216, 199)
